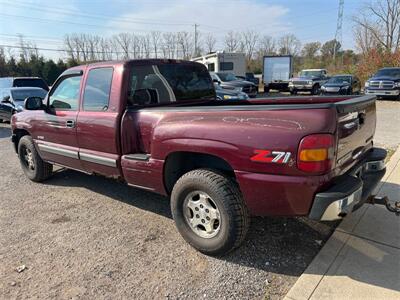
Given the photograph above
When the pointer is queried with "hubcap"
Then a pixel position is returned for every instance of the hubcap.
(28, 156)
(202, 214)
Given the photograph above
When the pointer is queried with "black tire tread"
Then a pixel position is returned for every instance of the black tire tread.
(232, 197)
(43, 169)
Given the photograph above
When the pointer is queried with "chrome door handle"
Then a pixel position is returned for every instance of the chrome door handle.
(70, 123)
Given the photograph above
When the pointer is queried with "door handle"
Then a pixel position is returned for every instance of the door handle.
(70, 123)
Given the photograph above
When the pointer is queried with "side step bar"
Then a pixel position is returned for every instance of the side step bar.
(394, 208)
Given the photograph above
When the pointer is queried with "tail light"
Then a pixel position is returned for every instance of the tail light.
(316, 153)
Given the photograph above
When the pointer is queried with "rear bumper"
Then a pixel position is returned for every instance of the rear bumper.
(282, 195)
(351, 190)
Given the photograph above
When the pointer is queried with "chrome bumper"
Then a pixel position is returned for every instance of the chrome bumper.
(383, 92)
(349, 191)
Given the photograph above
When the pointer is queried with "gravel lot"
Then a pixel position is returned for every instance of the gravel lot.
(90, 237)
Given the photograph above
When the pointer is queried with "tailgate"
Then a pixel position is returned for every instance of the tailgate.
(356, 129)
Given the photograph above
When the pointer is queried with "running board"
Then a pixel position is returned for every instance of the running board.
(137, 156)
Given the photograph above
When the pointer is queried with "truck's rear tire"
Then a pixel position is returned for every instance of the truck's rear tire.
(32, 164)
(209, 211)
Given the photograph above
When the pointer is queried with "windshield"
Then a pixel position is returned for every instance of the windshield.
(227, 76)
(339, 79)
(21, 95)
(310, 73)
(388, 73)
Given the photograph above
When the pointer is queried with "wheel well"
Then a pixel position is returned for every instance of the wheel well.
(18, 134)
(179, 163)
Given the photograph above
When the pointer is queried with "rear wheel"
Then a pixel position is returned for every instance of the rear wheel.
(1, 120)
(293, 92)
(209, 211)
(32, 164)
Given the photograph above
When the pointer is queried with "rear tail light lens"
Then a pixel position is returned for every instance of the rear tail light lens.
(316, 153)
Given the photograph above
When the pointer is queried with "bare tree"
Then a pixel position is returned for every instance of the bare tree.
(146, 45)
(232, 41)
(266, 46)
(185, 43)
(381, 19)
(365, 40)
(249, 39)
(155, 40)
(124, 40)
(289, 44)
(210, 41)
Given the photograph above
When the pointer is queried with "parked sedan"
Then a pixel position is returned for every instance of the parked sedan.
(12, 100)
(230, 81)
(229, 94)
(345, 84)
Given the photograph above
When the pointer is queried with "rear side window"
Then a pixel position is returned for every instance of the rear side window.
(30, 82)
(166, 83)
(97, 90)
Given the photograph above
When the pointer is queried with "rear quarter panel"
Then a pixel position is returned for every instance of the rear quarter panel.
(234, 135)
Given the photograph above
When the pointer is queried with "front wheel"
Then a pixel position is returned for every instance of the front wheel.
(209, 211)
(32, 164)
(315, 90)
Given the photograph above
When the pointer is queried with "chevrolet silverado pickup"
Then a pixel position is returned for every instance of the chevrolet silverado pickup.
(156, 125)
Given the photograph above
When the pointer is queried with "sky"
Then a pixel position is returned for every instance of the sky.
(46, 22)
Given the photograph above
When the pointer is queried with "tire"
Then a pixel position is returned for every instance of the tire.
(224, 196)
(293, 92)
(315, 90)
(1, 120)
(32, 164)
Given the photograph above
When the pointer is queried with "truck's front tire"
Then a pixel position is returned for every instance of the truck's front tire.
(32, 164)
(209, 211)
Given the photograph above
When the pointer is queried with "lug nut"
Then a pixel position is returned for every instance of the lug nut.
(201, 205)
(203, 221)
(196, 208)
(197, 216)
(208, 218)
(207, 210)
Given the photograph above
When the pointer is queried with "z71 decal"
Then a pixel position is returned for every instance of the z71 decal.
(268, 156)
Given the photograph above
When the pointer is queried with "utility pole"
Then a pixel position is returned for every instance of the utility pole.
(338, 34)
(195, 39)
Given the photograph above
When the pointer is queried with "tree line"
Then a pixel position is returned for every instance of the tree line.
(376, 32)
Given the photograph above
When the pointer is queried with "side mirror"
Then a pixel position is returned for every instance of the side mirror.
(216, 81)
(6, 99)
(33, 103)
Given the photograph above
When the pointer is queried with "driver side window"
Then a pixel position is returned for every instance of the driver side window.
(66, 94)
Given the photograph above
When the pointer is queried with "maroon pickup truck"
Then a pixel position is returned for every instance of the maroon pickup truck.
(156, 124)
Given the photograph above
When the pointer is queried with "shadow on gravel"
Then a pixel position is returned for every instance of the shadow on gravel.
(5, 132)
(279, 245)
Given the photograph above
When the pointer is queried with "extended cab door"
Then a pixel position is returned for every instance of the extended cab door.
(98, 120)
(55, 129)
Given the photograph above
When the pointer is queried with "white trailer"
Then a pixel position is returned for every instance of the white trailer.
(277, 70)
(224, 62)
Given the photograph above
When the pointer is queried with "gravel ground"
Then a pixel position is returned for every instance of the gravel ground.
(90, 237)
(81, 236)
